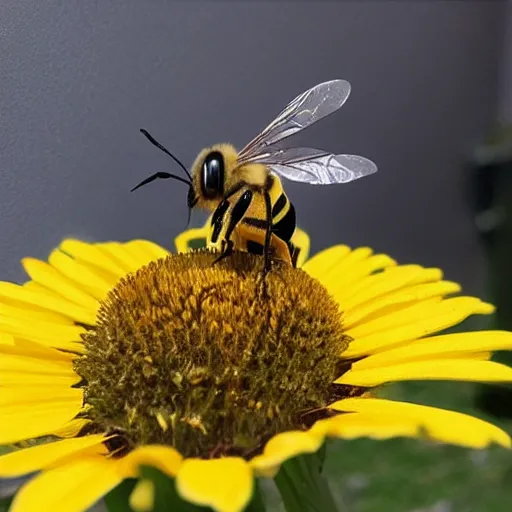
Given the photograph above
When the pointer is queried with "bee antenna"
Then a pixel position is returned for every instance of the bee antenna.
(166, 151)
(160, 175)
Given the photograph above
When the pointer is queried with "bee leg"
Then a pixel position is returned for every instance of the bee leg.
(236, 215)
(268, 233)
(218, 220)
(294, 254)
(227, 250)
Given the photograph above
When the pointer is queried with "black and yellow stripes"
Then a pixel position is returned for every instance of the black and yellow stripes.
(241, 221)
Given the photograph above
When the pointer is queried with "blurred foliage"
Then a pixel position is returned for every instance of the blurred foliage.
(5, 503)
(492, 203)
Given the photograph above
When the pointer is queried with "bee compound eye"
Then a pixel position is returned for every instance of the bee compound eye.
(212, 181)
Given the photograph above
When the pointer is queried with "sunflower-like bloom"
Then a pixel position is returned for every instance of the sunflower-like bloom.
(118, 356)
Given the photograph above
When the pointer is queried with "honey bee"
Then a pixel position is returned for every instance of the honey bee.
(251, 210)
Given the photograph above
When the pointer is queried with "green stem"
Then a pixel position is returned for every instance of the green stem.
(302, 487)
(257, 504)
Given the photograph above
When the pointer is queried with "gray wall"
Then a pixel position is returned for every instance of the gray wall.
(505, 99)
(78, 79)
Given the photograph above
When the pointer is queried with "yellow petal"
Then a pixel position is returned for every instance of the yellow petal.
(26, 348)
(13, 361)
(27, 395)
(449, 346)
(182, 241)
(348, 264)
(348, 273)
(51, 278)
(390, 280)
(20, 422)
(26, 363)
(96, 284)
(142, 498)
(17, 379)
(354, 425)
(325, 260)
(482, 356)
(439, 369)
(10, 291)
(300, 239)
(164, 458)
(28, 313)
(428, 308)
(155, 251)
(411, 323)
(28, 460)
(45, 333)
(93, 255)
(225, 484)
(122, 255)
(71, 428)
(6, 339)
(442, 425)
(285, 446)
(42, 290)
(138, 251)
(405, 297)
(73, 487)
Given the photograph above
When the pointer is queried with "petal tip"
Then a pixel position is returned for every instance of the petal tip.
(226, 484)
(487, 308)
(143, 496)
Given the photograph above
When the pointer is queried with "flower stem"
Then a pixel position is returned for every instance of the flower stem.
(257, 504)
(302, 487)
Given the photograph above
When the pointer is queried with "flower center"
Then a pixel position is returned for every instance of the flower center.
(211, 358)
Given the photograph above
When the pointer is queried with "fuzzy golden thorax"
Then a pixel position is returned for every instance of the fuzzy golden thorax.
(254, 175)
(206, 359)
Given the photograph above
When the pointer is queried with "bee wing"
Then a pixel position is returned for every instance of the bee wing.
(307, 108)
(315, 166)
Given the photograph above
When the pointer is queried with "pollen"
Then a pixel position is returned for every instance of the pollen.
(211, 358)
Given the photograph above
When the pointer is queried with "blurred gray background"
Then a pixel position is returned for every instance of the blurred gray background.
(78, 80)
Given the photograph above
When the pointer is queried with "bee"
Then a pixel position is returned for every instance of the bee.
(251, 210)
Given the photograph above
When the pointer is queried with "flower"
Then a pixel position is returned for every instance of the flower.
(116, 356)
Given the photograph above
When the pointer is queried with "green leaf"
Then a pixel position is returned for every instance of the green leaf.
(321, 455)
(302, 487)
(5, 503)
(257, 503)
(5, 449)
(117, 499)
(197, 243)
(166, 495)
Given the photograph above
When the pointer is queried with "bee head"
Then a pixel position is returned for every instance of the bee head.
(214, 172)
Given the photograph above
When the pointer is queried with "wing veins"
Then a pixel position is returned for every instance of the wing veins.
(330, 95)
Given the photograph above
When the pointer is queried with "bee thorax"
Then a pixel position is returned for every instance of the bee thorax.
(254, 174)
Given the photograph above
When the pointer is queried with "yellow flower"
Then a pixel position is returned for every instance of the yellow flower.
(215, 376)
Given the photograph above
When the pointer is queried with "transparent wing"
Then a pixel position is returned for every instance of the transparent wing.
(315, 166)
(307, 108)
